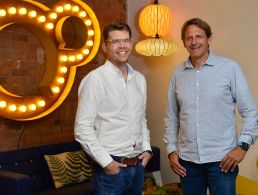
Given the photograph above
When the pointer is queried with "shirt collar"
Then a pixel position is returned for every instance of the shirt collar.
(209, 62)
(117, 72)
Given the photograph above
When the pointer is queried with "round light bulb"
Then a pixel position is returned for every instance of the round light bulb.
(60, 9)
(23, 11)
(12, 107)
(86, 51)
(79, 56)
(63, 58)
(91, 32)
(75, 8)
(2, 12)
(3, 104)
(67, 6)
(90, 43)
(53, 16)
(41, 103)
(61, 80)
(23, 108)
(56, 89)
(42, 19)
(83, 14)
(32, 107)
(12, 10)
(63, 69)
(50, 26)
(33, 14)
(88, 22)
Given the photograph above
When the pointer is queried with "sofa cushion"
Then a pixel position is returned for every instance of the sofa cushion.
(69, 168)
(28, 162)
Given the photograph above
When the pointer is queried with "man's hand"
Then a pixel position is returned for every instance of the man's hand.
(114, 167)
(175, 165)
(145, 157)
(232, 159)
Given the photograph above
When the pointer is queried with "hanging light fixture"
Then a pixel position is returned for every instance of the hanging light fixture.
(154, 22)
(156, 47)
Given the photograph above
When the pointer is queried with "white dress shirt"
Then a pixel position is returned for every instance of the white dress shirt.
(110, 118)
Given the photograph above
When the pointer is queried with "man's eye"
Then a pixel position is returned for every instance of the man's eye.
(115, 41)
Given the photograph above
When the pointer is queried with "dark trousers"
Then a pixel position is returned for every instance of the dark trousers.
(128, 181)
(199, 177)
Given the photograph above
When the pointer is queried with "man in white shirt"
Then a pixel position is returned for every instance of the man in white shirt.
(110, 121)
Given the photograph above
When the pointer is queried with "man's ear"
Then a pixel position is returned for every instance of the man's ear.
(104, 46)
(209, 40)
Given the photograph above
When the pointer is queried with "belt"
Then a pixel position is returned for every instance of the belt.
(130, 162)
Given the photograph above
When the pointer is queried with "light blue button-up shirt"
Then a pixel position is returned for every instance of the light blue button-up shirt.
(201, 118)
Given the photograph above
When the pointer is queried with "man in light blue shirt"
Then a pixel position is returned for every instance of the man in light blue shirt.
(201, 133)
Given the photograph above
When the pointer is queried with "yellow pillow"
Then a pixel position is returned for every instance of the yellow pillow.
(69, 168)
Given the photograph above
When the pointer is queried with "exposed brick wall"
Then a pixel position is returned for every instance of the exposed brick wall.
(22, 67)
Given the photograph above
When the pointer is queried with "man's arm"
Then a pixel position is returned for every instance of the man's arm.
(248, 111)
(145, 156)
(171, 119)
(89, 96)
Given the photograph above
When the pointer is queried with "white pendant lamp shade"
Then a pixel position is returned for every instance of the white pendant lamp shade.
(156, 47)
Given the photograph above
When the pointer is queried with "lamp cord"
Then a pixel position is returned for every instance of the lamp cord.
(22, 131)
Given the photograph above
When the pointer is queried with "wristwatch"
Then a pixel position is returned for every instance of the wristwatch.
(244, 146)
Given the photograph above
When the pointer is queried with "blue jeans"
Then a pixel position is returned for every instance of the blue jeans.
(129, 181)
(199, 177)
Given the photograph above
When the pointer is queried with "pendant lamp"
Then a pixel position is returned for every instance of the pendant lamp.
(155, 21)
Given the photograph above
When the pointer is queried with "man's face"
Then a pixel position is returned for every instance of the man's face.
(118, 47)
(196, 42)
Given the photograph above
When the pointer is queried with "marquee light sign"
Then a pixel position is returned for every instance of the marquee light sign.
(46, 24)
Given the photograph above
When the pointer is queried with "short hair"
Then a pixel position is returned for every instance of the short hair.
(198, 22)
(121, 26)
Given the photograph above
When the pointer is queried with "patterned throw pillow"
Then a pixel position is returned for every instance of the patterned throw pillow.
(69, 168)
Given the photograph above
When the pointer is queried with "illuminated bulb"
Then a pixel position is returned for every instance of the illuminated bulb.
(83, 14)
(42, 19)
(41, 103)
(60, 9)
(2, 12)
(68, 6)
(79, 56)
(32, 107)
(91, 32)
(12, 107)
(23, 108)
(2, 104)
(50, 26)
(88, 22)
(33, 14)
(86, 51)
(64, 58)
(71, 58)
(90, 43)
(56, 89)
(53, 16)
(63, 69)
(75, 8)
(23, 11)
(12, 10)
(61, 80)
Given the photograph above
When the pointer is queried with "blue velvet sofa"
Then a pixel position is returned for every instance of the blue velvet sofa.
(25, 171)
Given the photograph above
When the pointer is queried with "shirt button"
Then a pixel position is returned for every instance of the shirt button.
(197, 124)
(197, 84)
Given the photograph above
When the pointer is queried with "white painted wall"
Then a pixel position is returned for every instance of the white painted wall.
(235, 28)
